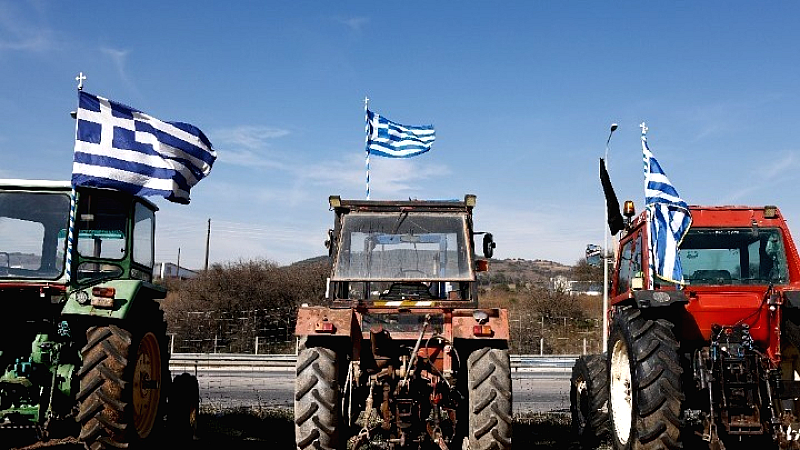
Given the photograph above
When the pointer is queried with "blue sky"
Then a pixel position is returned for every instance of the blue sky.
(521, 94)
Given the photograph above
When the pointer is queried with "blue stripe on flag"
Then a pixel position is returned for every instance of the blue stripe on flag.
(669, 218)
(394, 140)
(84, 180)
(143, 170)
(119, 147)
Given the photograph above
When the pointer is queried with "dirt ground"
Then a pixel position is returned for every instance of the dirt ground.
(249, 430)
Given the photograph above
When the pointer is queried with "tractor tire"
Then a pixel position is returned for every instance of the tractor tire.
(644, 383)
(316, 400)
(121, 393)
(589, 400)
(490, 415)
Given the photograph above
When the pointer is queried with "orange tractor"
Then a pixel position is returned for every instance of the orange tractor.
(403, 356)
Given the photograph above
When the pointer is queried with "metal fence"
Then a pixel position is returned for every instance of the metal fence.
(272, 332)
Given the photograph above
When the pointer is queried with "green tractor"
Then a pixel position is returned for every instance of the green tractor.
(83, 348)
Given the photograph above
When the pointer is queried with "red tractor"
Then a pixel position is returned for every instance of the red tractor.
(403, 357)
(713, 363)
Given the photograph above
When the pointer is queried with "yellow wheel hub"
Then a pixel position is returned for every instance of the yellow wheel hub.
(146, 385)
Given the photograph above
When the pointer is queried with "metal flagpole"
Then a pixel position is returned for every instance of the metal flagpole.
(73, 198)
(366, 139)
(605, 251)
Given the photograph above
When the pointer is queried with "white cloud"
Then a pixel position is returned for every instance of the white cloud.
(18, 32)
(250, 146)
(247, 145)
(248, 136)
(395, 176)
(354, 23)
(249, 158)
(118, 57)
(773, 172)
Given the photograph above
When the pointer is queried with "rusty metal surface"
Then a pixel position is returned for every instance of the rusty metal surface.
(308, 319)
(498, 321)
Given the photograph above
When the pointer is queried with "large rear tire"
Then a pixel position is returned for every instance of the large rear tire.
(589, 400)
(644, 383)
(490, 415)
(316, 400)
(121, 377)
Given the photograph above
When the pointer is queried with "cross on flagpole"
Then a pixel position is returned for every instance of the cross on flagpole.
(80, 79)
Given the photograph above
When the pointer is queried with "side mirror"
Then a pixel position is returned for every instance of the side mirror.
(329, 243)
(488, 245)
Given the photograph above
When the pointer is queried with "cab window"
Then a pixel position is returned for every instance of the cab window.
(630, 264)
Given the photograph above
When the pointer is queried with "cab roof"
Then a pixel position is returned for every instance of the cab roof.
(35, 184)
(54, 185)
(729, 215)
(342, 205)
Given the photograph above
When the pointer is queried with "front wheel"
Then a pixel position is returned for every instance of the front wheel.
(490, 415)
(644, 383)
(589, 400)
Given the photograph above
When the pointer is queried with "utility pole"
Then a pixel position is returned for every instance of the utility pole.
(208, 240)
(179, 263)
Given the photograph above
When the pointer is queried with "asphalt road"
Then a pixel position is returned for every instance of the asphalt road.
(534, 391)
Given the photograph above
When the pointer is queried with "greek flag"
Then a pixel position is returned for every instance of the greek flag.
(669, 218)
(393, 140)
(122, 148)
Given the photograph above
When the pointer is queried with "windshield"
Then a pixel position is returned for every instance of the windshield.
(403, 246)
(734, 256)
(30, 244)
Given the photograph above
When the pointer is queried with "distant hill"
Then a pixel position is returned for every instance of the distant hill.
(522, 271)
(501, 271)
(324, 259)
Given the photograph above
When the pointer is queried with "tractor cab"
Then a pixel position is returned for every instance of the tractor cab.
(417, 251)
(113, 237)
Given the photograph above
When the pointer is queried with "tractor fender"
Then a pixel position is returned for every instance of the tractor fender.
(125, 293)
(464, 324)
(657, 299)
(321, 321)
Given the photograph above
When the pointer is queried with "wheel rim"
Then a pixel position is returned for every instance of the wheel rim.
(146, 385)
(582, 400)
(620, 392)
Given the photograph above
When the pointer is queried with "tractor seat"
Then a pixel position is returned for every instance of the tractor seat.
(407, 290)
(716, 276)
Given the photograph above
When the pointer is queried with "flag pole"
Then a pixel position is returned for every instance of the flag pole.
(651, 273)
(73, 198)
(366, 139)
(605, 251)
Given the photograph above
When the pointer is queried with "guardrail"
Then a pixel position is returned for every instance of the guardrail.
(241, 361)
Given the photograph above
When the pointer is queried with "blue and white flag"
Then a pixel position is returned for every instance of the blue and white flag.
(669, 219)
(393, 140)
(122, 148)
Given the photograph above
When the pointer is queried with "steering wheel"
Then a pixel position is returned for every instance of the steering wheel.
(403, 273)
